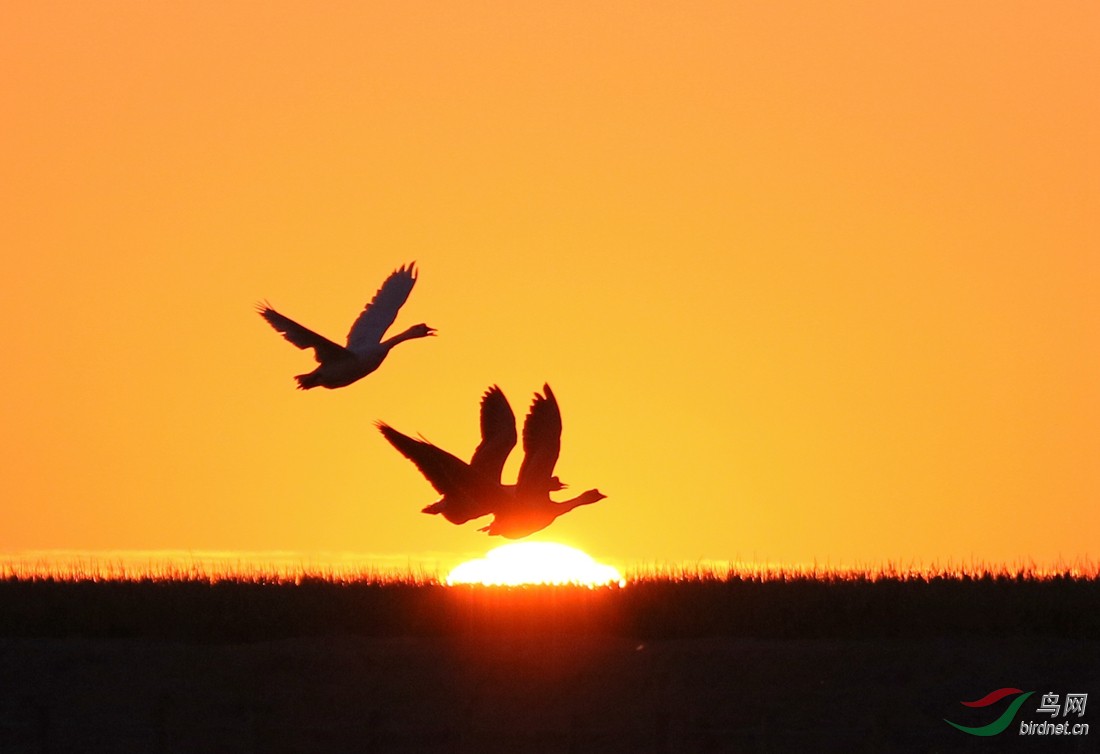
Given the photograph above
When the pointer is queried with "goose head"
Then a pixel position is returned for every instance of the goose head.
(420, 331)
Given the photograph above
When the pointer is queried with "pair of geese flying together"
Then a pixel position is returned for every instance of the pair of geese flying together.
(472, 490)
(469, 490)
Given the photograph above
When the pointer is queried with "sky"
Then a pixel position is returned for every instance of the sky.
(811, 282)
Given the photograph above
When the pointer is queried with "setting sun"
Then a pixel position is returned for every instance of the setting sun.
(534, 563)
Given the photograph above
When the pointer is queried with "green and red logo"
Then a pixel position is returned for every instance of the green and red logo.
(1002, 722)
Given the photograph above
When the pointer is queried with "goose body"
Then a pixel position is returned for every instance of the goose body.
(339, 366)
(469, 490)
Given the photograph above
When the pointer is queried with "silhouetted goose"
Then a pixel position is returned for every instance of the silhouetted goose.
(529, 509)
(469, 490)
(365, 350)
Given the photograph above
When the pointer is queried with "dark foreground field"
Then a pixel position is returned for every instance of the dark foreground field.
(657, 666)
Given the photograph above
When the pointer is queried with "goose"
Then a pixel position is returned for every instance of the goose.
(529, 508)
(365, 350)
(469, 490)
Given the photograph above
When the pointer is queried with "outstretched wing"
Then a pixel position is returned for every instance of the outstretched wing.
(439, 467)
(379, 314)
(303, 337)
(541, 445)
(498, 434)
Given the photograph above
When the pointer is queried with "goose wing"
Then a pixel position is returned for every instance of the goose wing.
(541, 445)
(379, 314)
(324, 349)
(443, 470)
(498, 434)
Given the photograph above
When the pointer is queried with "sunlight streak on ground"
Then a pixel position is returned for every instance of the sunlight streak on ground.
(535, 563)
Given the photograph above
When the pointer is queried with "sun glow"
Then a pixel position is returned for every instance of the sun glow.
(535, 563)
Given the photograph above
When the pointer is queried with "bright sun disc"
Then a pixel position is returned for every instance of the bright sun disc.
(534, 563)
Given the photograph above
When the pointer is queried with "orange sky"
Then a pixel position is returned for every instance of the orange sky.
(810, 281)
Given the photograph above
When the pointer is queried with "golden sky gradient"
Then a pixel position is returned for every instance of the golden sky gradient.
(809, 280)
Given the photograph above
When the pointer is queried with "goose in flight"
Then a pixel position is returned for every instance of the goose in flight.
(365, 350)
(529, 508)
(469, 490)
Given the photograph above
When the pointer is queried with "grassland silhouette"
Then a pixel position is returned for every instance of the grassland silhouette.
(778, 604)
(672, 661)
